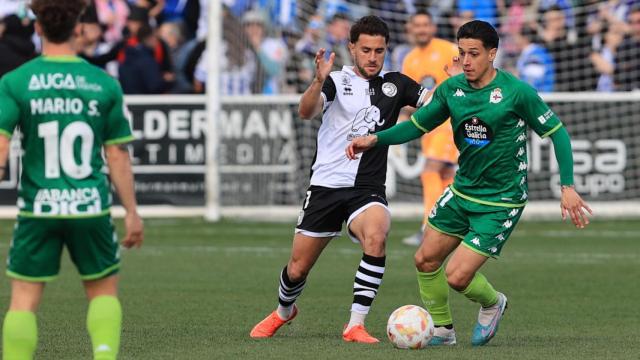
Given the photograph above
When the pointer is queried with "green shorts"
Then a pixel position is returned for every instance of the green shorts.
(37, 243)
(482, 228)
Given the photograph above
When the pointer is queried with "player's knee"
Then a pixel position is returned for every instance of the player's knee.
(297, 271)
(426, 263)
(374, 243)
(458, 280)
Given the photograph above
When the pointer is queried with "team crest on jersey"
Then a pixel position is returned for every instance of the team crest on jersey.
(496, 96)
(365, 122)
(389, 89)
(476, 132)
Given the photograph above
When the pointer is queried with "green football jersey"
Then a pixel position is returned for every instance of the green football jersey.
(66, 110)
(490, 131)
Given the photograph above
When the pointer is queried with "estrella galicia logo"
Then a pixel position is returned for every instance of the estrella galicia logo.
(476, 132)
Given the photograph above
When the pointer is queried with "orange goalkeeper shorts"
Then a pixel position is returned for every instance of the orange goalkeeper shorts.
(438, 144)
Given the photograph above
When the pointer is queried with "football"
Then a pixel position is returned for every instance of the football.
(410, 327)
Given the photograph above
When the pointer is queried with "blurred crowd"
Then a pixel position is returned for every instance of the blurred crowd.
(159, 46)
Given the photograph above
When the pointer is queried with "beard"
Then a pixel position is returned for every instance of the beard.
(364, 73)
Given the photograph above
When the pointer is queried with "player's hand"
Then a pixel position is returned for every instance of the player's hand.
(571, 204)
(323, 67)
(134, 230)
(360, 144)
(455, 68)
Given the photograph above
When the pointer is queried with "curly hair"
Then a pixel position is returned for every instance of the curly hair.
(58, 18)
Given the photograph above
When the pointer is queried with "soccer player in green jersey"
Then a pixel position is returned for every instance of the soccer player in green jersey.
(68, 112)
(490, 110)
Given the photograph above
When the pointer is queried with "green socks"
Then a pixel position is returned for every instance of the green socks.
(480, 291)
(434, 292)
(104, 320)
(19, 335)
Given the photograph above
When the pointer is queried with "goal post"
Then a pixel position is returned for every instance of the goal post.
(212, 176)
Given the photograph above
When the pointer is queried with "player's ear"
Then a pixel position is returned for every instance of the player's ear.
(352, 48)
(492, 54)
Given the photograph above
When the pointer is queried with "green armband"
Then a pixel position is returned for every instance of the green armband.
(398, 134)
(564, 155)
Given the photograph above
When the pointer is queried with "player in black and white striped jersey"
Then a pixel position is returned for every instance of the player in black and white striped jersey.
(355, 101)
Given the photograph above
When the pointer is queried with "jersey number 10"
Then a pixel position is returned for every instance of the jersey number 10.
(58, 149)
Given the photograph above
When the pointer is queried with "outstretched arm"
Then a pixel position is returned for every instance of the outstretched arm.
(570, 202)
(311, 102)
(398, 134)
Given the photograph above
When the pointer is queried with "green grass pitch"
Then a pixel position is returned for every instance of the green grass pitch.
(195, 290)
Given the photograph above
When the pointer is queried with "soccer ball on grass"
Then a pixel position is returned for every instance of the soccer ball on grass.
(410, 327)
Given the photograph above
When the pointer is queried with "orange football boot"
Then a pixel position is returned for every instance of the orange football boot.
(268, 327)
(359, 334)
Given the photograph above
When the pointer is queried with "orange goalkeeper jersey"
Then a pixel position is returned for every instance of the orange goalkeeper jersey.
(426, 66)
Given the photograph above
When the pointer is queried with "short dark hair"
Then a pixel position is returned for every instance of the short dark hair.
(422, 12)
(480, 30)
(58, 18)
(369, 25)
(634, 9)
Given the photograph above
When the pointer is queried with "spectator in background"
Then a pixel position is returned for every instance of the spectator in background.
(171, 33)
(485, 10)
(113, 14)
(270, 54)
(138, 18)
(91, 46)
(604, 60)
(237, 62)
(535, 64)
(401, 50)
(15, 43)
(337, 38)
(305, 51)
(627, 69)
(153, 8)
(139, 72)
(573, 67)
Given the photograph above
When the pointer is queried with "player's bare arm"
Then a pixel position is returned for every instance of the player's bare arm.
(122, 177)
(572, 205)
(4, 154)
(311, 102)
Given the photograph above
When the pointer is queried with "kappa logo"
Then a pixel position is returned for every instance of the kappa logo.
(500, 237)
(523, 180)
(389, 89)
(507, 224)
(496, 96)
(476, 241)
(520, 151)
(522, 166)
(520, 123)
(459, 93)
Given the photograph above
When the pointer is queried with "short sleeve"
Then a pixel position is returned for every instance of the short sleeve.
(9, 109)
(328, 92)
(434, 112)
(118, 129)
(536, 113)
(414, 94)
